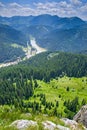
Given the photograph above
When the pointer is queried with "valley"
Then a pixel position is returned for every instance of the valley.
(43, 73)
(30, 51)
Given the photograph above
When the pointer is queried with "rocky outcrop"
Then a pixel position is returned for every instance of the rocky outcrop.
(48, 125)
(71, 123)
(81, 116)
(23, 124)
(62, 127)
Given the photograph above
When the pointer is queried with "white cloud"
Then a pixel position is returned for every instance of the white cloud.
(1, 5)
(62, 9)
(76, 2)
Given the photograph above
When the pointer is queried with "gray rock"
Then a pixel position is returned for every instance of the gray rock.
(81, 116)
(49, 125)
(71, 123)
(23, 124)
(62, 127)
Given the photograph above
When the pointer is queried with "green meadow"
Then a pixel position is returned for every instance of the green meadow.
(58, 91)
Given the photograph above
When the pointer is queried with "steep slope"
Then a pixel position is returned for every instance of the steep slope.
(40, 85)
(51, 32)
(9, 36)
(49, 65)
(70, 40)
(38, 31)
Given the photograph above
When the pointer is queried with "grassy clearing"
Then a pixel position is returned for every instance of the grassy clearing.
(77, 87)
(55, 90)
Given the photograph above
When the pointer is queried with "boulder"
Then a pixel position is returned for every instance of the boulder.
(81, 116)
(62, 127)
(23, 124)
(71, 123)
(48, 125)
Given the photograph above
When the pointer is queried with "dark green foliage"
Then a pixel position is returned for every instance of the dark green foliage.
(67, 89)
(9, 36)
(43, 100)
(71, 107)
(12, 93)
(57, 103)
(35, 84)
(83, 102)
(69, 113)
(36, 107)
(55, 111)
(17, 83)
(46, 66)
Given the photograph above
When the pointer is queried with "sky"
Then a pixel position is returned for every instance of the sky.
(62, 8)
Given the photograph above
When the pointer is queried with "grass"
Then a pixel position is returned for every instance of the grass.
(58, 87)
(77, 86)
(55, 90)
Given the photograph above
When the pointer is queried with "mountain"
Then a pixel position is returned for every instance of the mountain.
(51, 32)
(38, 31)
(9, 36)
(50, 65)
(69, 40)
(45, 19)
(16, 21)
(67, 23)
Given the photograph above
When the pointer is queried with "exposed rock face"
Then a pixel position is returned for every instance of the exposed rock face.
(48, 125)
(62, 127)
(71, 123)
(81, 116)
(23, 124)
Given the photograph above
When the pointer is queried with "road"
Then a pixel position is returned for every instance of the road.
(28, 53)
(34, 45)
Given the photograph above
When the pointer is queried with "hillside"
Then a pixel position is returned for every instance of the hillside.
(49, 65)
(51, 32)
(9, 36)
(67, 40)
(48, 86)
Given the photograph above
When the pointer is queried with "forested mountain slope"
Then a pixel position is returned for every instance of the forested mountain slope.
(49, 65)
(51, 32)
(9, 36)
(47, 83)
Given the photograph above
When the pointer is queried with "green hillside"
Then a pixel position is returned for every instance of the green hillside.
(67, 40)
(48, 102)
(50, 83)
(9, 36)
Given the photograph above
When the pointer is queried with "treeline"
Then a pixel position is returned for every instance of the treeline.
(17, 83)
(46, 66)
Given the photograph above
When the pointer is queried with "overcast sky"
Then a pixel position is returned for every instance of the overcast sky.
(62, 8)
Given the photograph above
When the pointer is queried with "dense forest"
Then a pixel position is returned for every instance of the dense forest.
(48, 65)
(18, 83)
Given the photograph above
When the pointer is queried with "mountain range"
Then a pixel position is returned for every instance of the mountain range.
(51, 32)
